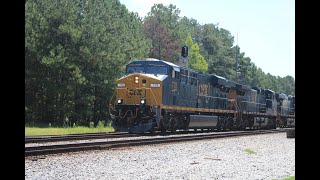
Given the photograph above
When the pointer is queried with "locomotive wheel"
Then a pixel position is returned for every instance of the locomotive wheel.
(152, 131)
(173, 131)
(226, 125)
(219, 125)
(223, 125)
(173, 125)
(163, 126)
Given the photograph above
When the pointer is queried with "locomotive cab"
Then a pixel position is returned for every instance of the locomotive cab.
(139, 94)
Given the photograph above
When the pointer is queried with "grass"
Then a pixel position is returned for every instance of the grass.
(288, 178)
(32, 131)
(250, 151)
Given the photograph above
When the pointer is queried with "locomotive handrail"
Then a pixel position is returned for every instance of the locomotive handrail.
(153, 95)
(225, 100)
(212, 96)
(131, 114)
(111, 100)
(188, 100)
(240, 109)
(253, 102)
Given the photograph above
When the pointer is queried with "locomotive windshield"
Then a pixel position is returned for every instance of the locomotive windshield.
(135, 69)
(150, 70)
(157, 70)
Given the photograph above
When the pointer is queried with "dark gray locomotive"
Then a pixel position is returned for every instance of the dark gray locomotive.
(158, 95)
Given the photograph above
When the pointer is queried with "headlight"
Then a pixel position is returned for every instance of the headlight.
(136, 81)
(121, 84)
(142, 101)
(119, 101)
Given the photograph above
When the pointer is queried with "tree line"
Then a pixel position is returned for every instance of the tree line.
(76, 49)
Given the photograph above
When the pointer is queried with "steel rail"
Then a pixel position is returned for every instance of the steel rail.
(62, 148)
(70, 137)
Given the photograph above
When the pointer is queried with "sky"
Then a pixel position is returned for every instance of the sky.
(264, 29)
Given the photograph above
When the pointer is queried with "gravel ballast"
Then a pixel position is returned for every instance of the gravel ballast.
(227, 158)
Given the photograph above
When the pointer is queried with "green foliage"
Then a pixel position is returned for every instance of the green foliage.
(101, 124)
(218, 51)
(250, 151)
(33, 131)
(161, 27)
(91, 124)
(74, 52)
(288, 178)
(195, 60)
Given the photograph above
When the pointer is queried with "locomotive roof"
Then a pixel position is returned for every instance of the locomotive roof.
(244, 87)
(169, 63)
(160, 77)
(146, 61)
(218, 80)
(154, 60)
(269, 90)
(259, 90)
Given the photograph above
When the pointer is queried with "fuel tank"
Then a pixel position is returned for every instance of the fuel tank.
(203, 121)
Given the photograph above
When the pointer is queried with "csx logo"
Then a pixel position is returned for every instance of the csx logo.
(135, 92)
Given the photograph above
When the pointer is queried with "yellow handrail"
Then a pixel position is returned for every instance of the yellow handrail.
(153, 96)
(111, 100)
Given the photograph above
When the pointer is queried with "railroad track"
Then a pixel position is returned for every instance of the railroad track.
(74, 137)
(63, 148)
(87, 136)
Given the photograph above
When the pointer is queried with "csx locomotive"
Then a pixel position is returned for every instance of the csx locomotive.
(159, 95)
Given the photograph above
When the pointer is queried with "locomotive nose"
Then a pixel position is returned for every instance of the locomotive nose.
(138, 89)
(138, 81)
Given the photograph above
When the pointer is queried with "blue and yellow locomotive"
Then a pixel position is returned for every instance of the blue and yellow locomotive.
(159, 95)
